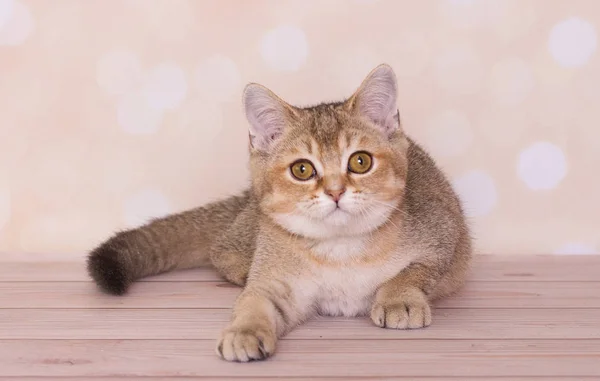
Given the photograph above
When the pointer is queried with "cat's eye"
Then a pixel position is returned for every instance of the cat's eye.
(303, 170)
(360, 162)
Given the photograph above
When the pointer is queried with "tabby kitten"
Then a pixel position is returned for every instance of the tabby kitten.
(345, 216)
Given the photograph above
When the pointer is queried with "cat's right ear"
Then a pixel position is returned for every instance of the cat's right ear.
(267, 115)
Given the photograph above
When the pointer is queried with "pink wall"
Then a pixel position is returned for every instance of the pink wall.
(112, 111)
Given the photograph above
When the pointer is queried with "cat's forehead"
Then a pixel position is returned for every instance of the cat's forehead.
(329, 146)
(327, 132)
(327, 123)
(324, 122)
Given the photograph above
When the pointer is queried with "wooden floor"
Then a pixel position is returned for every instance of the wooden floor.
(518, 318)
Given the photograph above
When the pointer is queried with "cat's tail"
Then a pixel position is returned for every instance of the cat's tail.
(178, 241)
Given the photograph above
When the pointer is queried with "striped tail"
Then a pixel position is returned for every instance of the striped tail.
(178, 241)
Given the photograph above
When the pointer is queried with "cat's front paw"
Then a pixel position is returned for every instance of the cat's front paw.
(410, 310)
(243, 344)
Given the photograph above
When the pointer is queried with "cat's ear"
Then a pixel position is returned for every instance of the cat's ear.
(376, 99)
(267, 115)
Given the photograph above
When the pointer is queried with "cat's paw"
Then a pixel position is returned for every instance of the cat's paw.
(409, 311)
(243, 344)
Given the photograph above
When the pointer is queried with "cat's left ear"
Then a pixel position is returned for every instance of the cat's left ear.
(376, 99)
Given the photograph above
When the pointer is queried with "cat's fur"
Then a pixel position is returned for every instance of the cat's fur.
(396, 240)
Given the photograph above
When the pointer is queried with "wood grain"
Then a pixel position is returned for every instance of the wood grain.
(473, 324)
(222, 295)
(518, 319)
(497, 268)
(294, 378)
(307, 358)
(76, 272)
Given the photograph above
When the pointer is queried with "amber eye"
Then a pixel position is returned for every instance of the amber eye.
(360, 162)
(303, 170)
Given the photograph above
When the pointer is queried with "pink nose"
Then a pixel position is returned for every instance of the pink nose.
(335, 194)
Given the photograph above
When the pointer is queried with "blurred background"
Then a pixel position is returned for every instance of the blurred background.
(115, 111)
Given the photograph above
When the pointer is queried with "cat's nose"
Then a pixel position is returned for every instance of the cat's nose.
(335, 194)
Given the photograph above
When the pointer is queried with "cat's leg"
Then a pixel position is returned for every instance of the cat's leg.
(232, 253)
(263, 312)
(233, 265)
(402, 302)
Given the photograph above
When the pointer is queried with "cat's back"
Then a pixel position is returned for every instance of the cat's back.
(434, 216)
(427, 187)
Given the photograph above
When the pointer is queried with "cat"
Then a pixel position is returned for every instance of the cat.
(345, 216)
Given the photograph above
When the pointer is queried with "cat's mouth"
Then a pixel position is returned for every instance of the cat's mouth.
(337, 209)
(336, 214)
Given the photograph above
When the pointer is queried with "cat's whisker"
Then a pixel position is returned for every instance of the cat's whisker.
(391, 206)
(363, 212)
(389, 218)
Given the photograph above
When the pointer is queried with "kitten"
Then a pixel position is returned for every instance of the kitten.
(345, 216)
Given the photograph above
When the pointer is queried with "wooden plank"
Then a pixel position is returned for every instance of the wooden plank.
(306, 358)
(473, 324)
(536, 268)
(76, 272)
(523, 268)
(293, 378)
(222, 295)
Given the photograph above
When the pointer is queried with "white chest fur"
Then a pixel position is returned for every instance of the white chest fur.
(349, 290)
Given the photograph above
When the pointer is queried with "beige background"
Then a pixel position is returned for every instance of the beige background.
(113, 111)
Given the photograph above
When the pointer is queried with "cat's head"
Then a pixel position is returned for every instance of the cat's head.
(332, 170)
